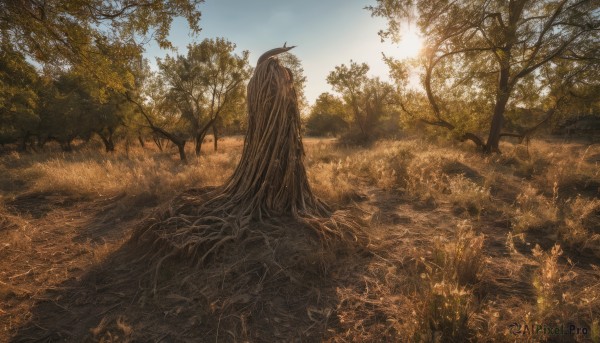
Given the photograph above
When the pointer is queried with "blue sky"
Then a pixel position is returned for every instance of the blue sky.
(327, 33)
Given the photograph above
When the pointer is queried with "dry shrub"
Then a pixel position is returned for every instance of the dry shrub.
(333, 181)
(336, 175)
(447, 312)
(529, 166)
(581, 229)
(534, 211)
(461, 259)
(547, 278)
(425, 177)
(447, 297)
(467, 194)
(430, 169)
(388, 162)
(556, 295)
(557, 299)
(568, 171)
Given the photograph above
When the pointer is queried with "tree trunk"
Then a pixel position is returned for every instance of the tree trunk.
(181, 149)
(23, 143)
(65, 145)
(158, 143)
(270, 178)
(202, 133)
(109, 144)
(176, 139)
(215, 136)
(270, 181)
(198, 141)
(502, 96)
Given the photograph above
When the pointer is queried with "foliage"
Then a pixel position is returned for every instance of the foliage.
(70, 106)
(482, 57)
(18, 95)
(328, 117)
(204, 84)
(369, 99)
(94, 36)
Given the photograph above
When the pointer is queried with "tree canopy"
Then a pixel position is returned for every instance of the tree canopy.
(206, 82)
(94, 36)
(18, 94)
(328, 116)
(369, 99)
(486, 50)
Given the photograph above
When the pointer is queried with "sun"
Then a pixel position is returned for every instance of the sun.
(409, 46)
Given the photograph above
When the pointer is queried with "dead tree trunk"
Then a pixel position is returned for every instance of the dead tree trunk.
(271, 177)
(270, 180)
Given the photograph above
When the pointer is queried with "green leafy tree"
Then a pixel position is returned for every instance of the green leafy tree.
(205, 83)
(113, 117)
(65, 109)
(492, 49)
(328, 116)
(148, 94)
(69, 107)
(369, 99)
(18, 97)
(91, 35)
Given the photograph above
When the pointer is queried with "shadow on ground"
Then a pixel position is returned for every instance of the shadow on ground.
(278, 289)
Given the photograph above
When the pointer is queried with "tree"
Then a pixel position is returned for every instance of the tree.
(91, 35)
(111, 116)
(498, 45)
(328, 116)
(148, 94)
(69, 106)
(205, 83)
(64, 108)
(368, 98)
(18, 97)
(577, 84)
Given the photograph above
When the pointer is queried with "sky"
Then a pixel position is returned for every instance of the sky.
(326, 32)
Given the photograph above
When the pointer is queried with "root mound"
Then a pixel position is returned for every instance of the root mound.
(269, 182)
(273, 280)
(266, 244)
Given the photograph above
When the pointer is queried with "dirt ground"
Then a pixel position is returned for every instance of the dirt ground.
(69, 272)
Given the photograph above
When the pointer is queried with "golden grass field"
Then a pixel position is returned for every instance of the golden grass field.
(461, 246)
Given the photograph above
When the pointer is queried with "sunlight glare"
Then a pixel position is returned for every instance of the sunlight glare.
(410, 45)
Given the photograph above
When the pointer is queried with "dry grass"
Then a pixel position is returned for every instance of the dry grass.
(469, 245)
(533, 210)
(91, 173)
